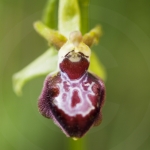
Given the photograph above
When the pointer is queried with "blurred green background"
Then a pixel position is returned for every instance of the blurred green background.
(125, 52)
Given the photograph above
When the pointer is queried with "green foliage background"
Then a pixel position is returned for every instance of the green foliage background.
(125, 52)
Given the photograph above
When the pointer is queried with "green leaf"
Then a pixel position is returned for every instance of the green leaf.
(50, 14)
(43, 65)
(96, 67)
(68, 17)
(52, 36)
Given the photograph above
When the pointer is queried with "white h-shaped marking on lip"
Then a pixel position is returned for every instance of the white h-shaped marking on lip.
(84, 106)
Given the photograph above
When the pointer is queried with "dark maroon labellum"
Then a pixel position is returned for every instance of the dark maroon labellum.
(73, 97)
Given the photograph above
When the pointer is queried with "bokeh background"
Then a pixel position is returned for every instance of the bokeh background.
(124, 50)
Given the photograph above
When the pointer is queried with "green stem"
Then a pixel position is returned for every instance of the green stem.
(50, 14)
(77, 145)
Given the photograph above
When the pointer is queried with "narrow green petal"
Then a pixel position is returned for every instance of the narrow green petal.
(68, 16)
(52, 36)
(50, 18)
(92, 37)
(43, 65)
(96, 67)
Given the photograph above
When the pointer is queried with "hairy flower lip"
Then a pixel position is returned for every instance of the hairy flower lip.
(77, 125)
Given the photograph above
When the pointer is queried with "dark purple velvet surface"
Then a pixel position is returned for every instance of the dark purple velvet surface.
(73, 125)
